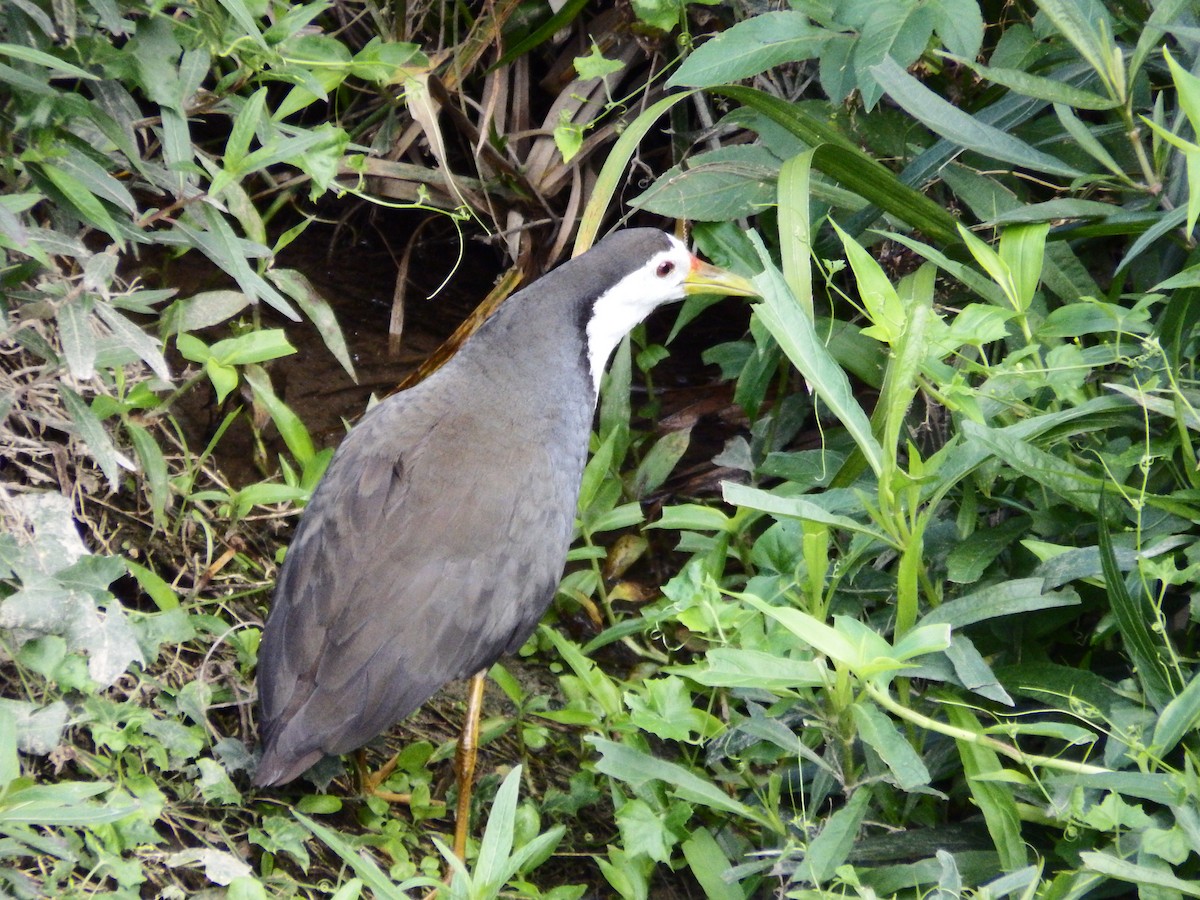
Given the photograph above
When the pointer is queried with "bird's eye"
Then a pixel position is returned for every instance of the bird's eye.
(665, 268)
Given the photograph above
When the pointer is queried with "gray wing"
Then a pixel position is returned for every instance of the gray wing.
(422, 557)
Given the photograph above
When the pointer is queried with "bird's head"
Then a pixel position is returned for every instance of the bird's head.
(666, 272)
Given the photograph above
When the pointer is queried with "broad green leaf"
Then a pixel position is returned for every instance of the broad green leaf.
(974, 672)
(388, 62)
(842, 160)
(77, 195)
(898, 30)
(795, 507)
(709, 863)
(318, 311)
(742, 667)
(156, 588)
(811, 631)
(1008, 598)
(1022, 248)
(224, 377)
(879, 733)
(995, 801)
(96, 180)
(951, 123)
(795, 233)
(636, 767)
(596, 64)
(1051, 89)
(252, 347)
(1136, 874)
(719, 185)
(154, 469)
(784, 317)
(77, 337)
(1073, 22)
(1071, 483)
(751, 46)
(959, 23)
(202, 310)
(93, 434)
(291, 429)
(831, 848)
(884, 310)
(129, 334)
(657, 465)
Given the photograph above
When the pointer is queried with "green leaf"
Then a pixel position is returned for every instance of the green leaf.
(37, 57)
(1151, 660)
(1135, 874)
(636, 767)
(76, 194)
(995, 800)
(154, 469)
(1037, 86)
(659, 462)
(1077, 24)
(795, 232)
(709, 864)
(132, 336)
(897, 30)
(252, 347)
(784, 317)
(1178, 718)
(951, 123)
(718, 185)
(1022, 248)
(291, 429)
(811, 631)
(1068, 481)
(750, 47)
(844, 161)
(76, 335)
(93, 434)
(364, 867)
(884, 309)
(740, 667)
(224, 378)
(159, 590)
(831, 848)
(795, 507)
(959, 23)
(318, 311)
(248, 120)
(596, 65)
(878, 732)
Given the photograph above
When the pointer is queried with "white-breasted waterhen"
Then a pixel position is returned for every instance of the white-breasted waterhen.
(437, 537)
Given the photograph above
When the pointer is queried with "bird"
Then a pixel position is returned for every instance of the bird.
(437, 537)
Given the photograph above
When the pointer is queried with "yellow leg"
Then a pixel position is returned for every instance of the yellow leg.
(369, 782)
(464, 763)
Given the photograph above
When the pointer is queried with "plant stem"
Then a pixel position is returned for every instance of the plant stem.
(1030, 760)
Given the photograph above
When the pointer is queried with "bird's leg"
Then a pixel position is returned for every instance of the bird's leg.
(464, 763)
(369, 782)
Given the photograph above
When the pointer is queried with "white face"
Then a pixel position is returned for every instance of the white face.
(633, 298)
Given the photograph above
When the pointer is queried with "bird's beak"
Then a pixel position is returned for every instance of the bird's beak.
(709, 279)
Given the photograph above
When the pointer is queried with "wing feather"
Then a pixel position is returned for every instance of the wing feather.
(421, 558)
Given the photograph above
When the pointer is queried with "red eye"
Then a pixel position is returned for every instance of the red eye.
(665, 268)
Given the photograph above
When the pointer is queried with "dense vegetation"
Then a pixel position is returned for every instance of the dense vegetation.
(925, 622)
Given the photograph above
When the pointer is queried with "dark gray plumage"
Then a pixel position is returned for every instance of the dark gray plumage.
(437, 537)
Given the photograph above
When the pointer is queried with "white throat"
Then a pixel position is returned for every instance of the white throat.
(629, 301)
